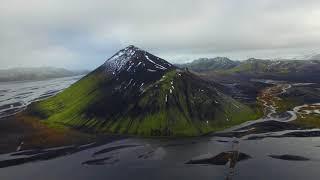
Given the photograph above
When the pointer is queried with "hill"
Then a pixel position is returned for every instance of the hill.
(288, 70)
(205, 64)
(135, 92)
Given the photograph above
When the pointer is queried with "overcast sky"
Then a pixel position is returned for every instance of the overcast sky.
(80, 34)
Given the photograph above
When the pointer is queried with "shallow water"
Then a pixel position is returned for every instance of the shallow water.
(138, 158)
(15, 96)
(166, 159)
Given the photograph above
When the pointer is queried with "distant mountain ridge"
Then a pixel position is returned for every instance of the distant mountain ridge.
(310, 56)
(38, 73)
(135, 92)
(300, 70)
(204, 64)
(315, 57)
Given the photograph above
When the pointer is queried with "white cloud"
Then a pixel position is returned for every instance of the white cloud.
(78, 33)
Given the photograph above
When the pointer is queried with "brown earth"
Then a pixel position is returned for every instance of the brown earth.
(30, 133)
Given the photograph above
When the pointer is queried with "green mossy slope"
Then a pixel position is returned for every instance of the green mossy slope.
(179, 104)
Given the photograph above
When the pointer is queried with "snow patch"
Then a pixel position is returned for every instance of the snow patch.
(138, 64)
(157, 65)
(141, 87)
(130, 66)
(118, 61)
(151, 70)
(236, 106)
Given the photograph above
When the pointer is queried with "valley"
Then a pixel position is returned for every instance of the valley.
(147, 114)
(137, 93)
(275, 102)
(159, 90)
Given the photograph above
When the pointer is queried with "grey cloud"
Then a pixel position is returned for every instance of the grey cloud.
(82, 34)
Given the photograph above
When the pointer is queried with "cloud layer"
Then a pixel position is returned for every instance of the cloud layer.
(82, 34)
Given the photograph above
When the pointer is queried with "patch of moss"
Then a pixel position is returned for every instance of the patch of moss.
(311, 121)
(178, 104)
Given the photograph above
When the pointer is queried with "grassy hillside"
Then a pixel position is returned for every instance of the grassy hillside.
(178, 104)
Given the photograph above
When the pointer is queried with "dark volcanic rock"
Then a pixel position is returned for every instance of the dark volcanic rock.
(270, 126)
(12, 105)
(100, 161)
(34, 155)
(290, 134)
(110, 149)
(222, 141)
(260, 127)
(179, 144)
(222, 158)
(236, 134)
(289, 157)
(302, 134)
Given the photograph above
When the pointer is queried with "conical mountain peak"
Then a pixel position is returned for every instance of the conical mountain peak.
(132, 58)
(135, 92)
(132, 47)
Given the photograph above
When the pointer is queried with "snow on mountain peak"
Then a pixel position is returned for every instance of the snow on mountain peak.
(117, 61)
(132, 57)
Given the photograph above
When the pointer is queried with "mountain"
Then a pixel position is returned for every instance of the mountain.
(135, 92)
(309, 56)
(289, 70)
(277, 66)
(205, 64)
(41, 73)
(315, 57)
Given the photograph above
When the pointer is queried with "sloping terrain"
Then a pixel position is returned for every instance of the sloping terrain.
(205, 64)
(135, 92)
(288, 70)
